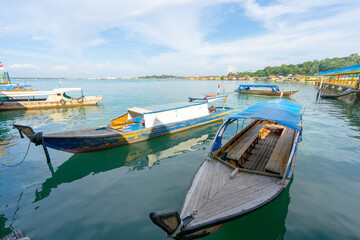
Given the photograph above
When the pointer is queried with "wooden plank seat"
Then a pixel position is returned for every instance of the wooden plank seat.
(221, 152)
(245, 144)
(281, 153)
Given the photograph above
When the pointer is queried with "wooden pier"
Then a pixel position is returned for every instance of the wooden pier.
(347, 79)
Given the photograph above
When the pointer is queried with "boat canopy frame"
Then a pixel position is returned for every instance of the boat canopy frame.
(277, 110)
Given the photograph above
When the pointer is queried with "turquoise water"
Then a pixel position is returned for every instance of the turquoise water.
(109, 194)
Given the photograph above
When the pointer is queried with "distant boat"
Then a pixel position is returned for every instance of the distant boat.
(136, 125)
(45, 99)
(274, 90)
(208, 98)
(7, 86)
(242, 175)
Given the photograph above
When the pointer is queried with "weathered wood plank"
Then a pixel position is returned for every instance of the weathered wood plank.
(262, 197)
(228, 192)
(247, 170)
(193, 194)
(267, 152)
(231, 196)
(262, 164)
(259, 153)
(220, 205)
(232, 142)
(281, 152)
(246, 141)
(215, 182)
(204, 195)
(238, 181)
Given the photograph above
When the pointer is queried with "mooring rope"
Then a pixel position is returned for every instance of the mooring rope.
(27, 150)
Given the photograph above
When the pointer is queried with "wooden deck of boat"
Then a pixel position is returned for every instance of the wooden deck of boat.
(261, 153)
(214, 195)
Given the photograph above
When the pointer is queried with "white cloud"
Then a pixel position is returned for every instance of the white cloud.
(24, 66)
(231, 69)
(61, 68)
(295, 32)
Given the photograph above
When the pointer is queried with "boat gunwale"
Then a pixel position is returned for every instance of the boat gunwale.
(169, 109)
(118, 131)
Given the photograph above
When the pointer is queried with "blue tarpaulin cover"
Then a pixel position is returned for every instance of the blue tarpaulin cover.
(354, 68)
(277, 110)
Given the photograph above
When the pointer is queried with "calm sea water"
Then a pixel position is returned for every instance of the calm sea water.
(109, 194)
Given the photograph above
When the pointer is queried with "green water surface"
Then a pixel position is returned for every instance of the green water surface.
(109, 194)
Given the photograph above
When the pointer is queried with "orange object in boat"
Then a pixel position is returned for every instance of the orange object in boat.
(210, 95)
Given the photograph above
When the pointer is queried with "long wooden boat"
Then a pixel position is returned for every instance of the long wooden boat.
(242, 175)
(136, 125)
(274, 90)
(45, 99)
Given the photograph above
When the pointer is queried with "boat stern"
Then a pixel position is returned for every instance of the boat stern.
(168, 220)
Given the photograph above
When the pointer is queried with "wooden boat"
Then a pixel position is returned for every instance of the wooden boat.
(136, 125)
(274, 90)
(45, 99)
(244, 174)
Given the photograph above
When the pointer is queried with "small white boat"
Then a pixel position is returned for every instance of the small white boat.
(45, 99)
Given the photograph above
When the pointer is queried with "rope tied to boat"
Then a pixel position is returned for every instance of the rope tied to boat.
(36, 138)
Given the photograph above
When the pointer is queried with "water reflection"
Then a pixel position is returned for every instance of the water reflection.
(348, 108)
(137, 156)
(266, 223)
(4, 230)
(4, 145)
(73, 116)
(9, 139)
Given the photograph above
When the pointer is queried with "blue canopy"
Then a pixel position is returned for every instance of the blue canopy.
(278, 110)
(345, 70)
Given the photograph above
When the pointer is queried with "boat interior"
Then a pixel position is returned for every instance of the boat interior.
(126, 120)
(262, 146)
(133, 120)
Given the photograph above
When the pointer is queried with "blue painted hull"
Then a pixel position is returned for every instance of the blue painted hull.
(101, 138)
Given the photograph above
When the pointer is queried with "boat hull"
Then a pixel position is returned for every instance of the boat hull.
(249, 192)
(93, 139)
(268, 92)
(41, 104)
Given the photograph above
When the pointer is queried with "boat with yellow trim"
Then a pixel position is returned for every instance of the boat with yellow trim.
(137, 124)
(45, 99)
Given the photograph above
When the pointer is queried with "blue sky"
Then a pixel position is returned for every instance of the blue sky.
(112, 38)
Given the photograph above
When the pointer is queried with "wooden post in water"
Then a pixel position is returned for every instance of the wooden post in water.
(224, 101)
(317, 95)
(8, 78)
